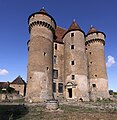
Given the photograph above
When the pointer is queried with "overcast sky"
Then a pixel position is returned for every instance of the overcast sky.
(14, 30)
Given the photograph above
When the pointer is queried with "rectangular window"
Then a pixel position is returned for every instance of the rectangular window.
(54, 87)
(55, 46)
(73, 77)
(72, 46)
(94, 85)
(55, 72)
(60, 87)
(54, 60)
(72, 62)
(72, 34)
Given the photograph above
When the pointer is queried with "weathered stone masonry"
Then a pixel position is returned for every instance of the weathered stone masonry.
(64, 64)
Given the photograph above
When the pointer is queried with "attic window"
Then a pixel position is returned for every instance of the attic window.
(72, 34)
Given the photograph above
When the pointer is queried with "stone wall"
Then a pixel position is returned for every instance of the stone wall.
(75, 66)
(19, 87)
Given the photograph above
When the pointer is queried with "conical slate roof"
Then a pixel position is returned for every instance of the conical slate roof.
(92, 30)
(42, 10)
(74, 26)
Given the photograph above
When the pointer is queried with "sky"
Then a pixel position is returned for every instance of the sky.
(14, 32)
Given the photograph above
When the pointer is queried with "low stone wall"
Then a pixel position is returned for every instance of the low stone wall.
(9, 97)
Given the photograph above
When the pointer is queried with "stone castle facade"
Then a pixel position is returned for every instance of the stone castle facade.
(64, 64)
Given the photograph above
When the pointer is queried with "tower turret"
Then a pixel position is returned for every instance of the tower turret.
(40, 56)
(75, 64)
(97, 75)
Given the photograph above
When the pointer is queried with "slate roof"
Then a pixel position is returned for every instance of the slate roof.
(18, 80)
(4, 85)
(74, 26)
(92, 30)
(59, 32)
(42, 10)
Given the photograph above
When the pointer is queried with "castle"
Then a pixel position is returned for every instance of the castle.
(64, 64)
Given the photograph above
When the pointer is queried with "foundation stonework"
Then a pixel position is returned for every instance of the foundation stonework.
(64, 64)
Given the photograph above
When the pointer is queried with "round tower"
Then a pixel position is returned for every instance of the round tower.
(75, 67)
(95, 41)
(40, 56)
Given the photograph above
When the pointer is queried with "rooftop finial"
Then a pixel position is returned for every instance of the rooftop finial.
(74, 20)
(91, 26)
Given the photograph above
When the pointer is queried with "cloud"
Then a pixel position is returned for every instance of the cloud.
(110, 61)
(3, 72)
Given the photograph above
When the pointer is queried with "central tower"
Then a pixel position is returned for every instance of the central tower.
(40, 56)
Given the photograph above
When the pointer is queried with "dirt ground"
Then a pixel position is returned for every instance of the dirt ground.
(67, 111)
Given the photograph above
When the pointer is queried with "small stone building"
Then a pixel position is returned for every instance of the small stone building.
(65, 64)
(19, 85)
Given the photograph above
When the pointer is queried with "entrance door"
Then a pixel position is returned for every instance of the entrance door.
(70, 92)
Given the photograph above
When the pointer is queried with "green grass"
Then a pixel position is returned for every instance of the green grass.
(65, 112)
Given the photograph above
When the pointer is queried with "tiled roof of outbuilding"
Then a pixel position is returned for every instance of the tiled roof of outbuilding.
(4, 84)
(18, 80)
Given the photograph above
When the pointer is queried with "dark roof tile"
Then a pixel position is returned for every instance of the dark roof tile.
(74, 26)
(92, 30)
(59, 34)
(4, 84)
(18, 80)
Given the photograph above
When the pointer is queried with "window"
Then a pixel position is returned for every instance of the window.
(54, 87)
(94, 85)
(55, 72)
(90, 53)
(72, 34)
(91, 62)
(47, 68)
(72, 46)
(55, 46)
(72, 62)
(54, 60)
(73, 77)
(60, 87)
(44, 53)
(95, 75)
